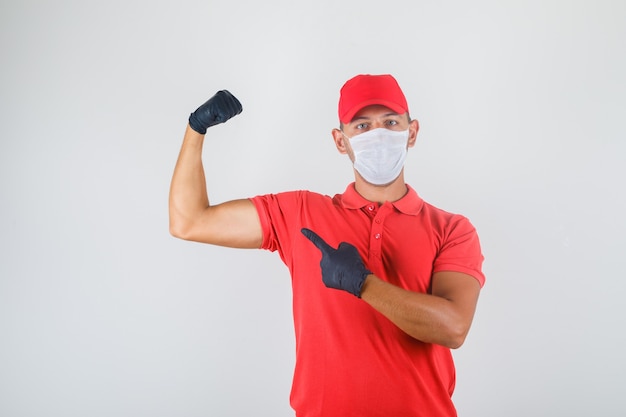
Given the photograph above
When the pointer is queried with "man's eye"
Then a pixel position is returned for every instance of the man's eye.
(361, 126)
(392, 122)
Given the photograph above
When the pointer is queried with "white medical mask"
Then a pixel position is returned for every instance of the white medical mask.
(379, 154)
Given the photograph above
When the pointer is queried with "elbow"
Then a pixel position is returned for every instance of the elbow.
(175, 231)
(181, 223)
(455, 336)
(455, 342)
(179, 229)
(455, 330)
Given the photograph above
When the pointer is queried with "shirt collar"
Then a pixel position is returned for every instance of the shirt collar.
(410, 204)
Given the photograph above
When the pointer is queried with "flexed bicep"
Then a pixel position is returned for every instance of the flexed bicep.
(233, 224)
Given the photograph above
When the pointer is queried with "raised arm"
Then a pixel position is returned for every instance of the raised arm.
(191, 215)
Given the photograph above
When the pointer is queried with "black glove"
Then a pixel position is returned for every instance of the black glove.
(219, 108)
(342, 268)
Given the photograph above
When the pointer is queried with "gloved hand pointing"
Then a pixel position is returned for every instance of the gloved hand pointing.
(342, 268)
(219, 108)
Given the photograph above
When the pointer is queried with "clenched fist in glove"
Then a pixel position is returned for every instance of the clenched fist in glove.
(342, 268)
(219, 108)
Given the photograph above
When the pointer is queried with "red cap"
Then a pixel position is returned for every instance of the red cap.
(366, 90)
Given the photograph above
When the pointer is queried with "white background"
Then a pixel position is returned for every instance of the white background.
(522, 106)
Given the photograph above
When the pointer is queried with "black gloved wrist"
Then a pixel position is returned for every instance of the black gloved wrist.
(218, 109)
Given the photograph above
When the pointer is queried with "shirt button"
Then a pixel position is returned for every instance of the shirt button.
(370, 208)
(377, 221)
(377, 236)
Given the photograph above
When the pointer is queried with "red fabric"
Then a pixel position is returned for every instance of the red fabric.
(351, 360)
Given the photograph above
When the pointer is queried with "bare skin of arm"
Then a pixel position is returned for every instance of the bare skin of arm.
(192, 217)
(443, 317)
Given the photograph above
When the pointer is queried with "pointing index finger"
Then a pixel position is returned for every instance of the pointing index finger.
(316, 240)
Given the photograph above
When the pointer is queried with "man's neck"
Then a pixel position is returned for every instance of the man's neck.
(379, 194)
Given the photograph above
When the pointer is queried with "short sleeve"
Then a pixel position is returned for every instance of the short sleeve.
(279, 218)
(461, 250)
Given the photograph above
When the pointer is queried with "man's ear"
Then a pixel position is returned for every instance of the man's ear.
(414, 127)
(340, 141)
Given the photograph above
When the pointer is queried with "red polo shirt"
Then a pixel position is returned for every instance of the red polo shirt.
(350, 359)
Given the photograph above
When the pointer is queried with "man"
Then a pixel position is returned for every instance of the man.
(384, 284)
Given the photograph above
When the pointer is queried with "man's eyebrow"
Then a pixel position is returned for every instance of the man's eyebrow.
(370, 118)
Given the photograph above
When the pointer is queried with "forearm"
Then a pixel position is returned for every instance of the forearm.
(426, 317)
(188, 195)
